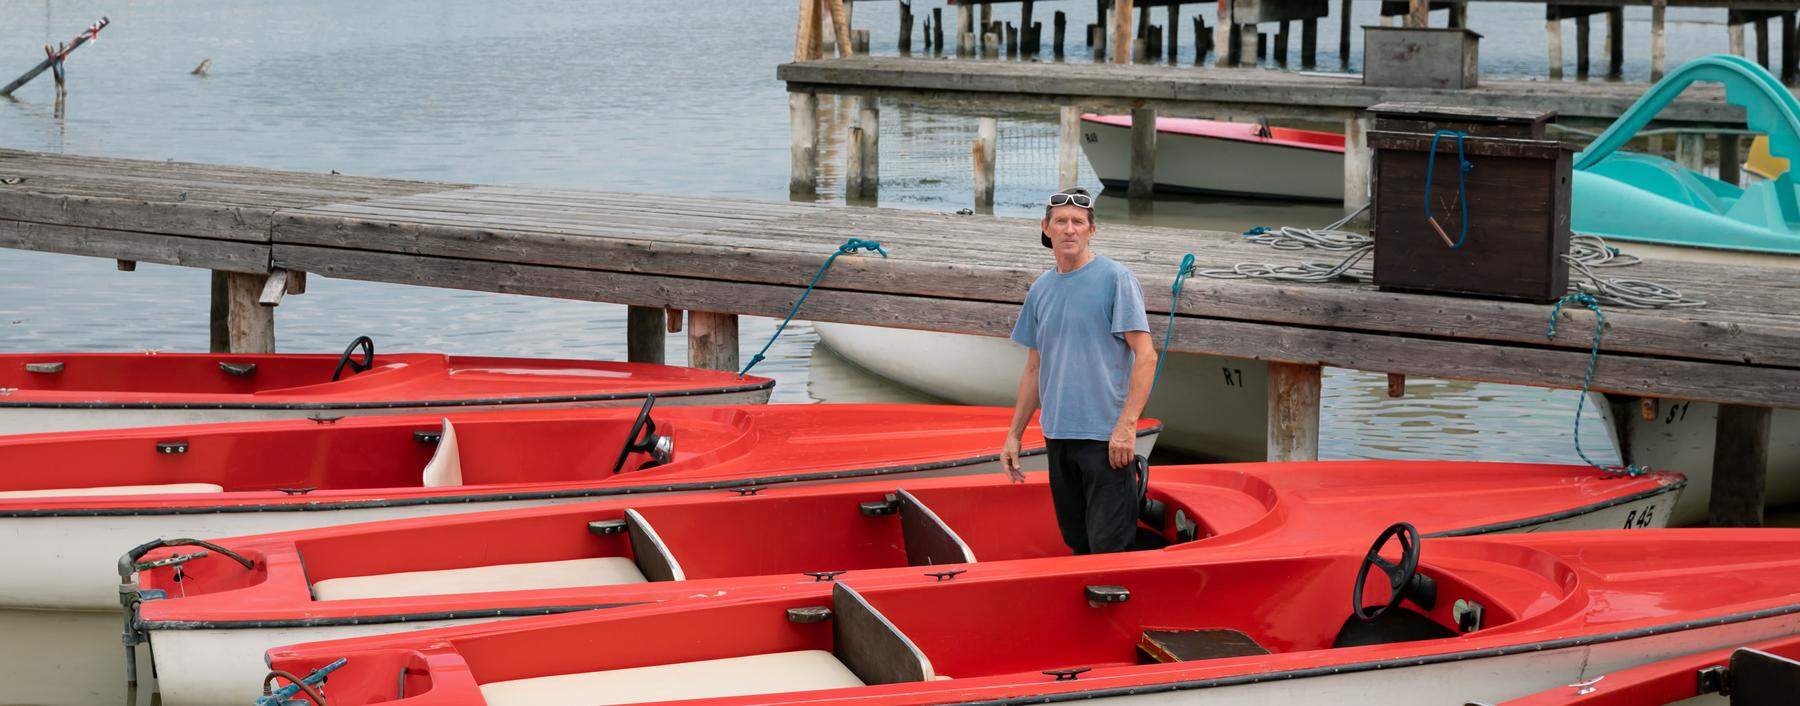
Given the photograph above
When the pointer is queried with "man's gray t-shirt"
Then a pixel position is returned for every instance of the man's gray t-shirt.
(1077, 322)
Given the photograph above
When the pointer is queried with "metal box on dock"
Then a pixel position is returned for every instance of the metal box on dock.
(1517, 191)
(1420, 57)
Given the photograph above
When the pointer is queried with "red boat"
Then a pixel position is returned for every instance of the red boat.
(1760, 674)
(1469, 618)
(66, 529)
(42, 392)
(208, 628)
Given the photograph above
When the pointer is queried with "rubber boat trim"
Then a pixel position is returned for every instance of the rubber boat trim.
(1563, 515)
(394, 404)
(540, 495)
(1422, 661)
(364, 619)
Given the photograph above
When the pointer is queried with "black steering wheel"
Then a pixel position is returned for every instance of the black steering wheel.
(1400, 577)
(368, 361)
(645, 426)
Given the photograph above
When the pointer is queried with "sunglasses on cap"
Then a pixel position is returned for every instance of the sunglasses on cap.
(1080, 200)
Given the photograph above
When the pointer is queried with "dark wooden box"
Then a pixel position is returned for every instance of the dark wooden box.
(1518, 203)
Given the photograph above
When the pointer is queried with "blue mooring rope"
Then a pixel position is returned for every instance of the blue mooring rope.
(1187, 268)
(1462, 189)
(1592, 304)
(850, 246)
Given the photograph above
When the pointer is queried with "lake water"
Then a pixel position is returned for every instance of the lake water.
(614, 95)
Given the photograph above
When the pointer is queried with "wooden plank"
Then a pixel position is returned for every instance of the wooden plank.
(232, 256)
(1415, 355)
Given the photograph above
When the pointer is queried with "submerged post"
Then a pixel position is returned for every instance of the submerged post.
(1143, 153)
(1740, 466)
(906, 26)
(1615, 42)
(56, 57)
(1309, 42)
(1294, 393)
(712, 340)
(1059, 32)
(1583, 31)
(987, 134)
(1068, 147)
(644, 334)
(1553, 40)
(1344, 33)
(1659, 10)
(803, 125)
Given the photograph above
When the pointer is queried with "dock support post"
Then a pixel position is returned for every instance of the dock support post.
(1730, 159)
(1250, 45)
(1309, 42)
(1068, 147)
(965, 29)
(1583, 32)
(854, 160)
(1357, 162)
(1459, 15)
(1294, 411)
(644, 334)
(1690, 150)
(865, 145)
(1225, 37)
(219, 335)
(1143, 153)
(1344, 33)
(1281, 43)
(987, 135)
(1659, 10)
(1202, 40)
(803, 128)
(1790, 48)
(906, 23)
(1762, 41)
(1419, 14)
(1615, 43)
(1740, 466)
(1120, 43)
(990, 45)
(1174, 44)
(1059, 32)
(937, 30)
(712, 341)
(1734, 33)
(250, 325)
(1027, 36)
(1553, 41)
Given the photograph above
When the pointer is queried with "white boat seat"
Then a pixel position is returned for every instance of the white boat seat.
(164, 489)
(734, 676)
(601, 571)
(445, 468)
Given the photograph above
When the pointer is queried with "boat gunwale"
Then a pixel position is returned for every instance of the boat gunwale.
(767, 383)
(1676, 484)
(1261, 141)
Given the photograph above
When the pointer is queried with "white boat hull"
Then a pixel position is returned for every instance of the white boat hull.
(1212, 407)
(35, 420)
(1208, 165)
(1680, 439)
(70, 562)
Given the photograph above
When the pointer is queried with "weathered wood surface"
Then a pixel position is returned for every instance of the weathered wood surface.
(968, 274)
(1174, 90)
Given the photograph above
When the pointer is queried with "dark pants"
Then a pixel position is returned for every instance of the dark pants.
(1096, 504)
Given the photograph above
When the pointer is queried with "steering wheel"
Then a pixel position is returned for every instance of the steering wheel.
(633, 442)
(368, 361)
(1400, 577)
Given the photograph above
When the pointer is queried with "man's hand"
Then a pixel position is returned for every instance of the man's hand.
(1009, 459)
(1122, 446)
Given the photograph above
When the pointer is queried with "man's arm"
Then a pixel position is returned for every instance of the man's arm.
(1143, 372)
(1026, 403)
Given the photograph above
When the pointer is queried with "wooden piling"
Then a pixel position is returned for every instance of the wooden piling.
(937, 29)
(965, 29)
(1734, 33)
(250, 326)
(1419, 13)
(803, 129)
(987, 137)
(1615, 43)
(644, 334)
(906, 27)
(1281, 44)
(1730, 159)
(1068, 147)
(1690, 150)
(860, 41)
(853, 153)
(807, 42)
(1583, 31)
(1459, 15)
(1790, 48)
(712, 340)
(220, 329)
(1143, 153)
(1344, 33)
(1740, 466)
(868, 119)
(1255, 43)
(1762, 40)
(1553, 41)
(990, 46)
(1027, 42)
(1225, 36)
(1120, 42)
(1060, 30)
(1012, 41)
(1174, 25)
(1659, 10)
(1202, 41)
(1294, 396)
(1357, 162)
(1309, 42)
(840, 28)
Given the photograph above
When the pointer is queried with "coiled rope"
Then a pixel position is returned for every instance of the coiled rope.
(849, 247)
(1329, 238)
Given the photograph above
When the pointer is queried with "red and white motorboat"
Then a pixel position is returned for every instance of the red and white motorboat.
(1220, 157)
(208, 629)
(1758, 674)
(42, 392)
(1467, 619)
(71, 502)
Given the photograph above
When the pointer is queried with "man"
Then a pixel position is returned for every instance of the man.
(1090, 364)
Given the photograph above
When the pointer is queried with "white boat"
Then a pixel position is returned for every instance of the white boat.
(1211, 407)
(1219, 157)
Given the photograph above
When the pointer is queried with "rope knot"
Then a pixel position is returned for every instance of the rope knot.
(854, 244)
(1259, 230)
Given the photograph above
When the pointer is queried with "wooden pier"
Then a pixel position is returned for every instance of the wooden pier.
(717, 259)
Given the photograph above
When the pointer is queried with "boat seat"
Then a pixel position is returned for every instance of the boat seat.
(445, 468)
(714, 678)
(599, 571)
(928, 540)
(652, 556)
(163, 489)
(870, 645)
(1195, 645)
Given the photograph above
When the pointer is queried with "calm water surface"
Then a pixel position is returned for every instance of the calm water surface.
(624, 96)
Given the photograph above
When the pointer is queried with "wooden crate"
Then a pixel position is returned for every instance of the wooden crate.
(1518, 203)
(1421, 57)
